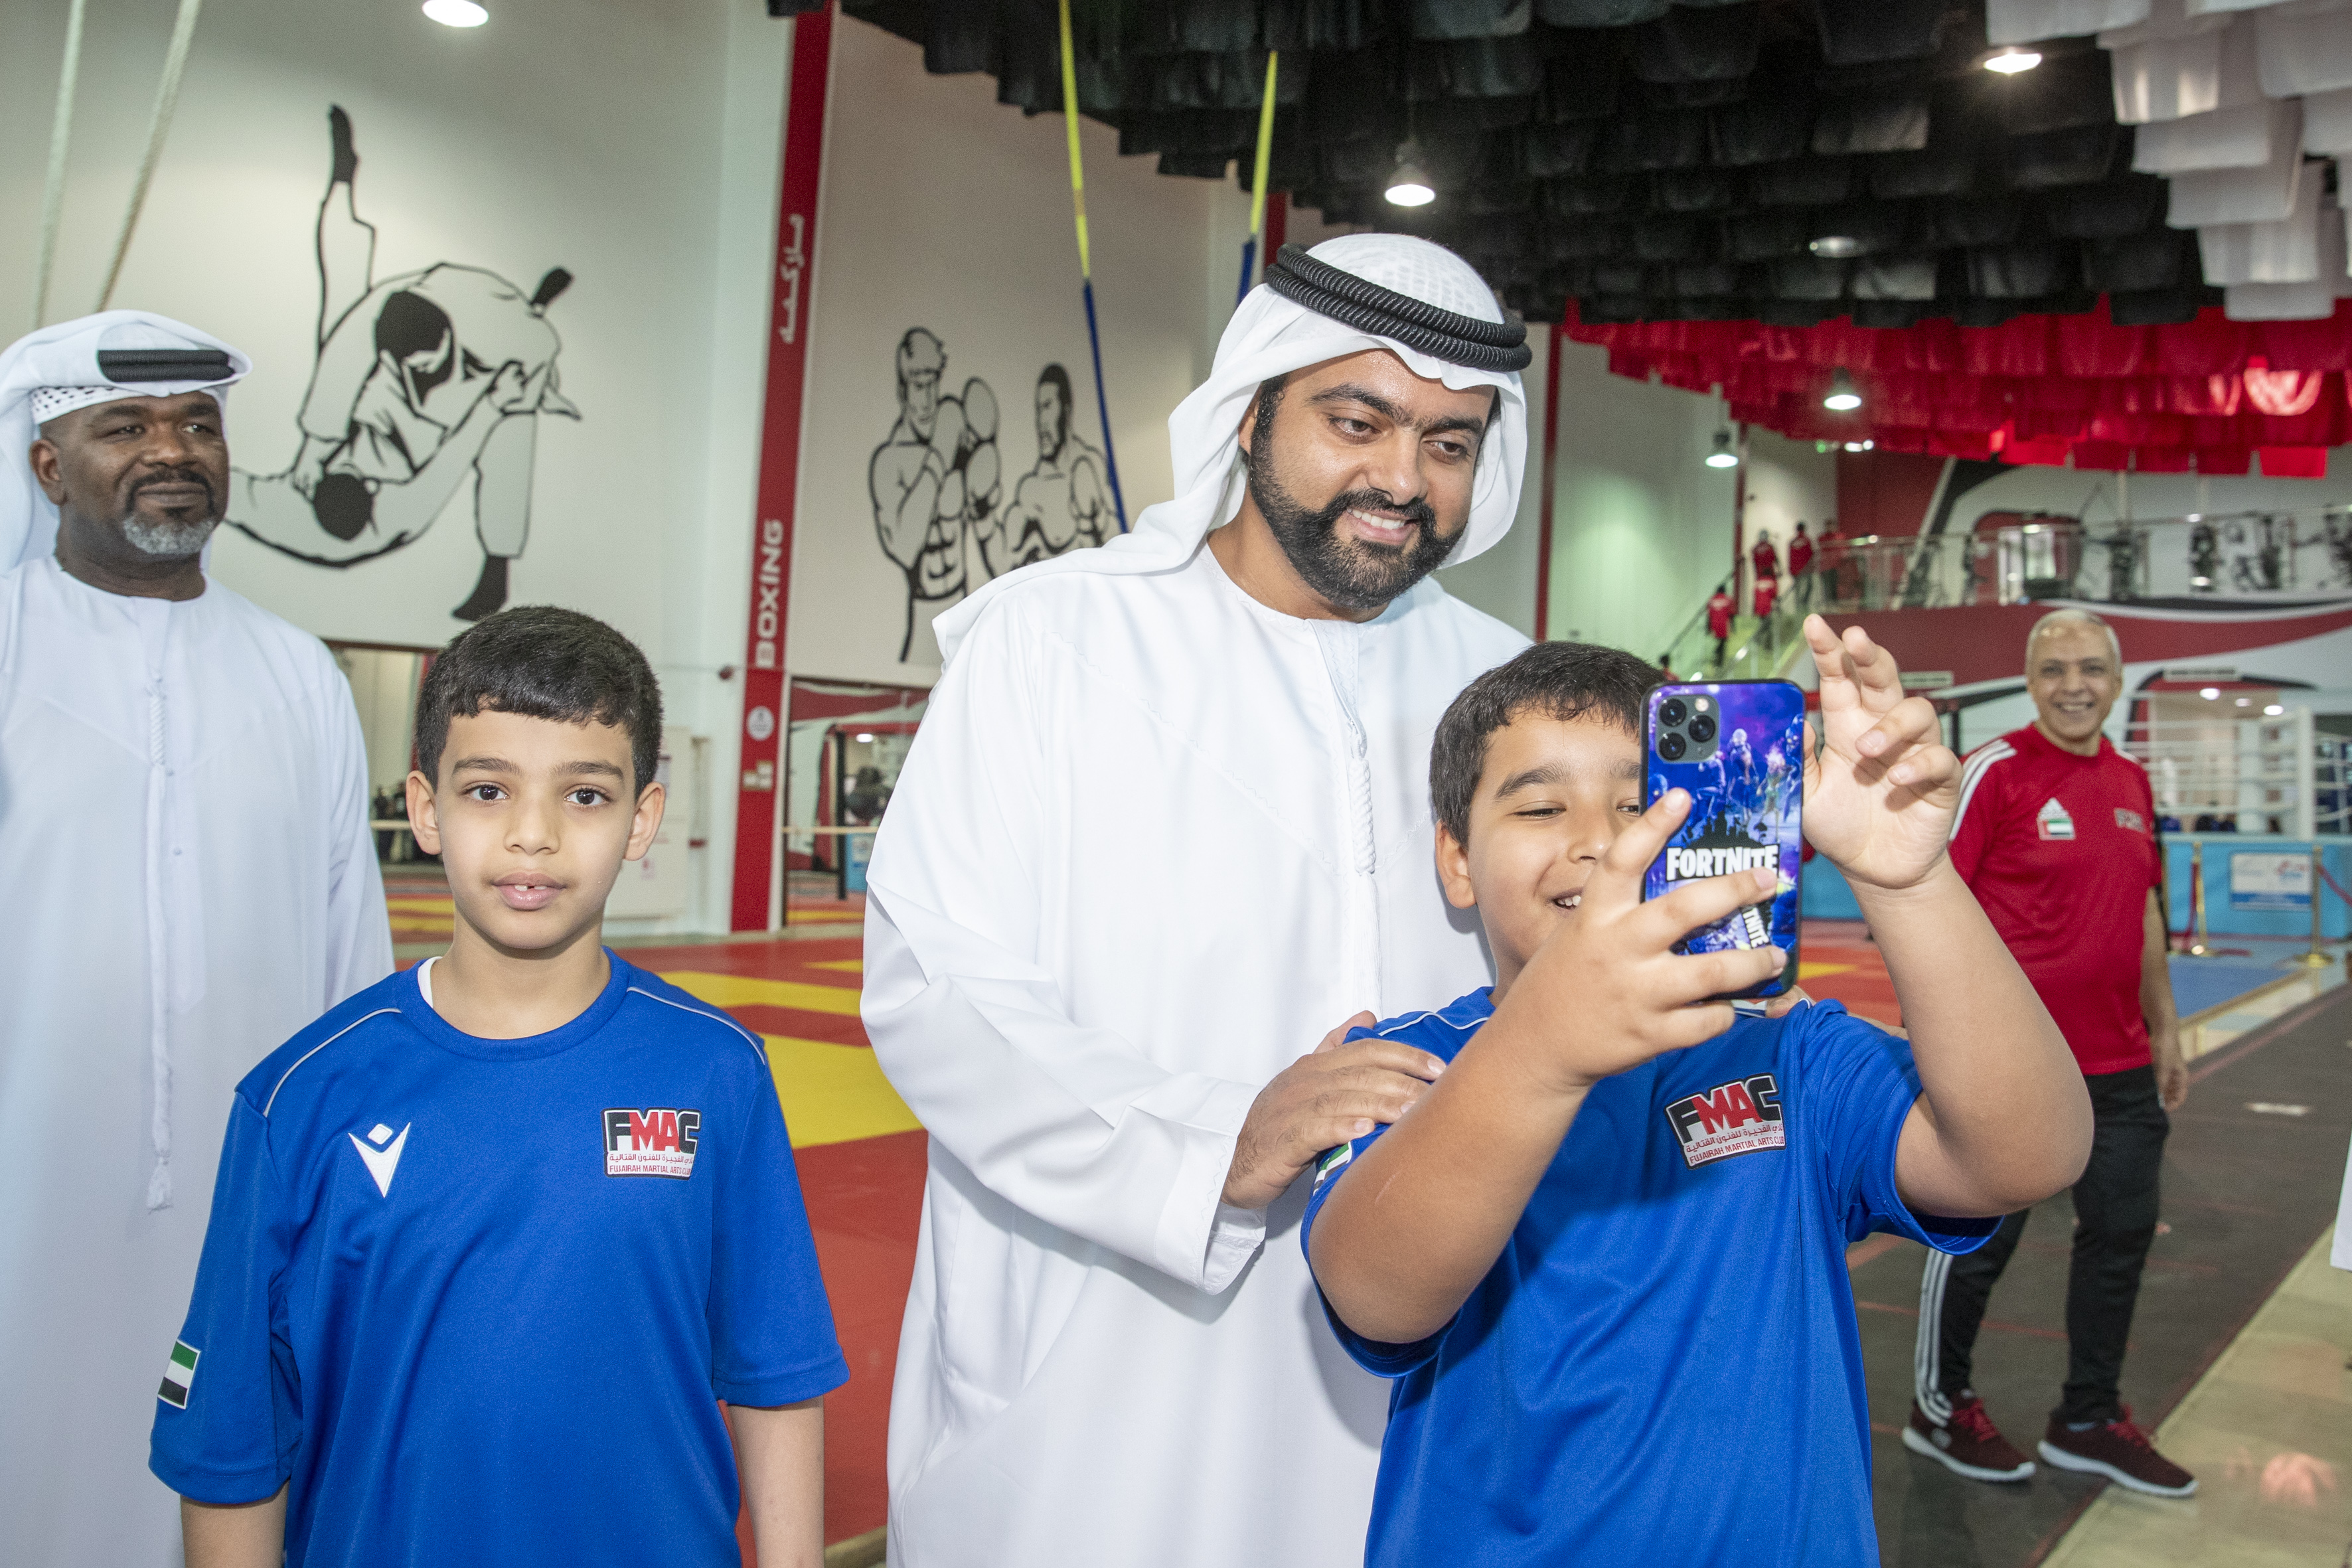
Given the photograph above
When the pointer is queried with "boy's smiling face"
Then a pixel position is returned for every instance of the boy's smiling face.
(1552, 796)
(532, 818)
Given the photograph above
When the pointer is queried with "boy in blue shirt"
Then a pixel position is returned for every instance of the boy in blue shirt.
(1603, 1257)
(493, 1239)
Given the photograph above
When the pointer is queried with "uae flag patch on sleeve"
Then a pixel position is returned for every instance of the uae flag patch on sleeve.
(179, 1375)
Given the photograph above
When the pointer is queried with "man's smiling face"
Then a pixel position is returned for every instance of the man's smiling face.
(2073, 679)
(152, 472)
(1363, 471)
(1552, 796)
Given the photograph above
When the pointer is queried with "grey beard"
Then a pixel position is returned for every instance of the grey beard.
(167, 541)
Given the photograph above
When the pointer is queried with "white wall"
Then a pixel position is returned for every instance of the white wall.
(943, 209)
(1643, 526)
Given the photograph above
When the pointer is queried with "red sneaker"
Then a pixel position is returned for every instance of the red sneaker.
(2119, 1451)
(1968, 1445)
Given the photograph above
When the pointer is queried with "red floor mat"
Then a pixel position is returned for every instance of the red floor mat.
(864, 1203)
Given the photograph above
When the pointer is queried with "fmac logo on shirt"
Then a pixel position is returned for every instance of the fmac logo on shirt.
(651, 1142)
(2130, 821)
(1737, 1117)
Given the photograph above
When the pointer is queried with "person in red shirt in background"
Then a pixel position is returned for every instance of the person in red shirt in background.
(1719, 619)
(1766, 562)
(1801, 561)
(2055, 836)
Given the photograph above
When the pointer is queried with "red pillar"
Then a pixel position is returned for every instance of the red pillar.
(1548, 480)
(764, 686)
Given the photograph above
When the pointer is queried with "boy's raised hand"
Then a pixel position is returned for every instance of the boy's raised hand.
(1881, 788)
(1607, 992)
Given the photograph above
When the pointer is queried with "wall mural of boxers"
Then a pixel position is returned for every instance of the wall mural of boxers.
(943, 511)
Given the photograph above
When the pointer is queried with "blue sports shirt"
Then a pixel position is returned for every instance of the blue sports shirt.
(1663, 1365)
(483, 1296)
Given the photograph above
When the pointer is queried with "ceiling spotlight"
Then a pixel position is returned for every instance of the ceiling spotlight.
(456, 13)
(864, 739)
(2273, 710)
(2209, 692)
(1835, 247)
(2009, 62)
(1410, 186)
(1842, 398)
(1723, 457)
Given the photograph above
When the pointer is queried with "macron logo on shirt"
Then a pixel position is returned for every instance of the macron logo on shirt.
(381, 1154)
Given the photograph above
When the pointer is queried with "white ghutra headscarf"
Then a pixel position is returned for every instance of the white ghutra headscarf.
(55, 371)
(1268, 336)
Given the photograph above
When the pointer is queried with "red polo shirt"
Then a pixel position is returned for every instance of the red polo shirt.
(2061, 851)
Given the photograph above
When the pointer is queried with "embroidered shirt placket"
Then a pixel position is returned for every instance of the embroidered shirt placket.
(1341, 645)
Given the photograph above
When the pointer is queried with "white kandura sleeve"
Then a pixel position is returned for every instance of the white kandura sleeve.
(1073, 1124)
(359, 926)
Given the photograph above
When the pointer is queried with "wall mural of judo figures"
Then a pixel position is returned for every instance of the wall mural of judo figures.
(423, 381)
(936, 481)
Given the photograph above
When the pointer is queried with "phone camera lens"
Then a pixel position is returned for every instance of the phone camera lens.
(1702, 729)
(1672, 747)
(1672, 713)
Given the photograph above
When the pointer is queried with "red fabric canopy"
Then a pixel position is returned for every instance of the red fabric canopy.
(2205, 394)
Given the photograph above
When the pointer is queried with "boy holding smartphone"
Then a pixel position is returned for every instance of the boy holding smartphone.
(493, 1239)
(1603, 1258)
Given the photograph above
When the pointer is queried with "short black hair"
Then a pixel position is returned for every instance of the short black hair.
(542, 663)
(1555, 680)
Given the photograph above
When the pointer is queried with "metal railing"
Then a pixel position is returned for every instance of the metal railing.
(2238, 555)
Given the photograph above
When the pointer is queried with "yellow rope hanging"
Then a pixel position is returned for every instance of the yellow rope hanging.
(1264, 147)
(1070, 119)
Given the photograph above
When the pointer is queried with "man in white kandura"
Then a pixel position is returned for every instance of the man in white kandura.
(1166, 822)
(184, 842)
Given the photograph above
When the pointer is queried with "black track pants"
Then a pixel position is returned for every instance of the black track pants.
(2115, 1221)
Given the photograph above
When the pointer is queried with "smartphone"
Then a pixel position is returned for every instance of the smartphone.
(1738, 748)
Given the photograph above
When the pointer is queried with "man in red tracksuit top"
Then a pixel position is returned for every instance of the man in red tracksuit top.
(2055, 836)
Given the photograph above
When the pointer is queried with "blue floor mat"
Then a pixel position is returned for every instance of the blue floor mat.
(2202, 982)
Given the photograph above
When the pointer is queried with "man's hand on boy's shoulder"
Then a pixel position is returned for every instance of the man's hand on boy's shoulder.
(1335, 1094)
(1881, 787)
(1607, 992)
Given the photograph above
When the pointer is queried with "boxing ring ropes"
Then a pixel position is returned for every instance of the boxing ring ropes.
(159, 126)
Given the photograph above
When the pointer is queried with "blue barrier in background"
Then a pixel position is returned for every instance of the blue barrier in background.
(2222, 916)
(1826, 896)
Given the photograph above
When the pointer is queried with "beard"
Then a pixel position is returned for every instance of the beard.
(171, 537)
(1348, 574)
(167, 538)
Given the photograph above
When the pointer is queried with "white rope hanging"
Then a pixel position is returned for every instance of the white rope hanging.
(53, 190)
(159, 126)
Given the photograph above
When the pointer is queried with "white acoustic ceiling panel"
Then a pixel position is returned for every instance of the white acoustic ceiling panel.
(2224, 139)
(2283, 252)
(2025, 21)
(2172, 66)
(2265, 194)
(2304, 48)
(2328, 123)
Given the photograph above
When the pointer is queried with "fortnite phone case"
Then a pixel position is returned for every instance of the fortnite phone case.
(1739, 748)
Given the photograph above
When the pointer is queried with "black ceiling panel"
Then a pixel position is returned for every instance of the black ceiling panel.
(1894, 122)
(1690, 44)
(1637, 158)
(1468, 18)
(2165, 258)
(1865, 32)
